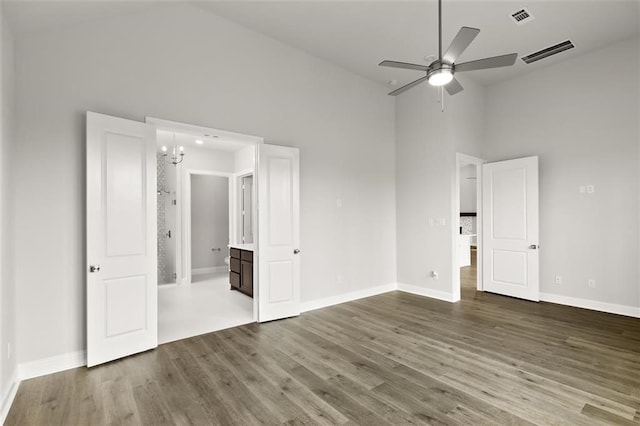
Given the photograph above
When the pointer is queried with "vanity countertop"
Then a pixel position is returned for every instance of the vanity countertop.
(248, 247)
(468, 235)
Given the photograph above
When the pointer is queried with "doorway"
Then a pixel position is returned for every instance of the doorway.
(121, 245)
(468, 227)
(200, 215)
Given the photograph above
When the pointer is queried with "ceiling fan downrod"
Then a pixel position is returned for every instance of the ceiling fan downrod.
(440, 30)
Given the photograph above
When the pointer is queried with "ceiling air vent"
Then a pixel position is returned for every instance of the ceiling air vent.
(522, 16)
(549, 51)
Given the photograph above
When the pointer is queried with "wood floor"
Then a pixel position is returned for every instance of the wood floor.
(391, 359)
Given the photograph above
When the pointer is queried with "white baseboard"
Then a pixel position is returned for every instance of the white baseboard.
(594, 305)
(7, 399)
(346, 297)
(210, 270)
(422, 291)
(41, 367)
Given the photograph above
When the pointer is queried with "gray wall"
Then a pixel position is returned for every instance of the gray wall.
(203, 71)
(209, 220)
(585, 132)
(427, 140)
(7, 283)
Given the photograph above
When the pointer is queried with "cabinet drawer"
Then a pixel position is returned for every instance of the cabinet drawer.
(234, 279)
(234, 252)
(246, 255)
(234, 265)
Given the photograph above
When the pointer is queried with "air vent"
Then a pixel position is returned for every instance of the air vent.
(522, 16)
(549, 51)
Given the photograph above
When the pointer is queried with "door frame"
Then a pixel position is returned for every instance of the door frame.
(462, 160)
(186, 207)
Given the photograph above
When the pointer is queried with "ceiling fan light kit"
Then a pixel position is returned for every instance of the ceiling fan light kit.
(441, 72)
(440, 75)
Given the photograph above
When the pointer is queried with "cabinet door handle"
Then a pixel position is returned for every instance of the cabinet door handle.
(296, 251)
(533, 247)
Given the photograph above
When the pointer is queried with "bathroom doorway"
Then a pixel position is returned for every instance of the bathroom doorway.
(200, 215)
(125, 153)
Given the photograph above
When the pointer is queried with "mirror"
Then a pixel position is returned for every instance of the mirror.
(246, 199)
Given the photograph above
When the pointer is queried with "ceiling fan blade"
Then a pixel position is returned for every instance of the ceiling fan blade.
(454, 87)
(404, 65)
(493, 62)
(461, 41)
(408, 86)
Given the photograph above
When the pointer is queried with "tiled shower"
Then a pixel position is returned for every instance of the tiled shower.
(166, 222)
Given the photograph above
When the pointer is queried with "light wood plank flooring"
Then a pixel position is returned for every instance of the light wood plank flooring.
(390, 359)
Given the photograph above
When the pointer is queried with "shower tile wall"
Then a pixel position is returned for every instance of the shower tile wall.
(468, 224)
(166, 221)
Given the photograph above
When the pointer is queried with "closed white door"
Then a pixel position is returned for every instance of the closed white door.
(278, 232)
(122, 308)
(510, 228)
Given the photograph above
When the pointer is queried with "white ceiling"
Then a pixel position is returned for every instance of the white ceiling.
(357, 35)
(188, 140)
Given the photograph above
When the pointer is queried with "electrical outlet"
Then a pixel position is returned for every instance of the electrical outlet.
(590, 189)
(591, 283)
(435, 275)
(582, 189)
(558, 279)
(340, 279)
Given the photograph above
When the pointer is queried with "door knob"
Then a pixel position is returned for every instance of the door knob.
(534, 247)
(94, 268)
(296, 251)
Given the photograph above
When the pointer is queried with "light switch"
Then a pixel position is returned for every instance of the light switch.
(582, 189)
(590, 189)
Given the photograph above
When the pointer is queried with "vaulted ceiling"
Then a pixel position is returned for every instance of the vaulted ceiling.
(357, 35)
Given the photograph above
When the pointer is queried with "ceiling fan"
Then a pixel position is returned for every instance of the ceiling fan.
(441, 71)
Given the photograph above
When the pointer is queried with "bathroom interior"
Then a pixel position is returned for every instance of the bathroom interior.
(205, 209)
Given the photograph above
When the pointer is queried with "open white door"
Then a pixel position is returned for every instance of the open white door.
(510, 228)
(122, 308)
(278, 232)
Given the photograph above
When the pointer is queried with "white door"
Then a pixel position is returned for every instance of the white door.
(510, 228)
(278, 232)
(122, 308)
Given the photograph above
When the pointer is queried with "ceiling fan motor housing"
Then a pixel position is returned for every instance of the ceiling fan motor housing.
(438, 66)
(440, 73)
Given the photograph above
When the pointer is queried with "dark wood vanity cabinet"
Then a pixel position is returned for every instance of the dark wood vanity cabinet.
(241, 270)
